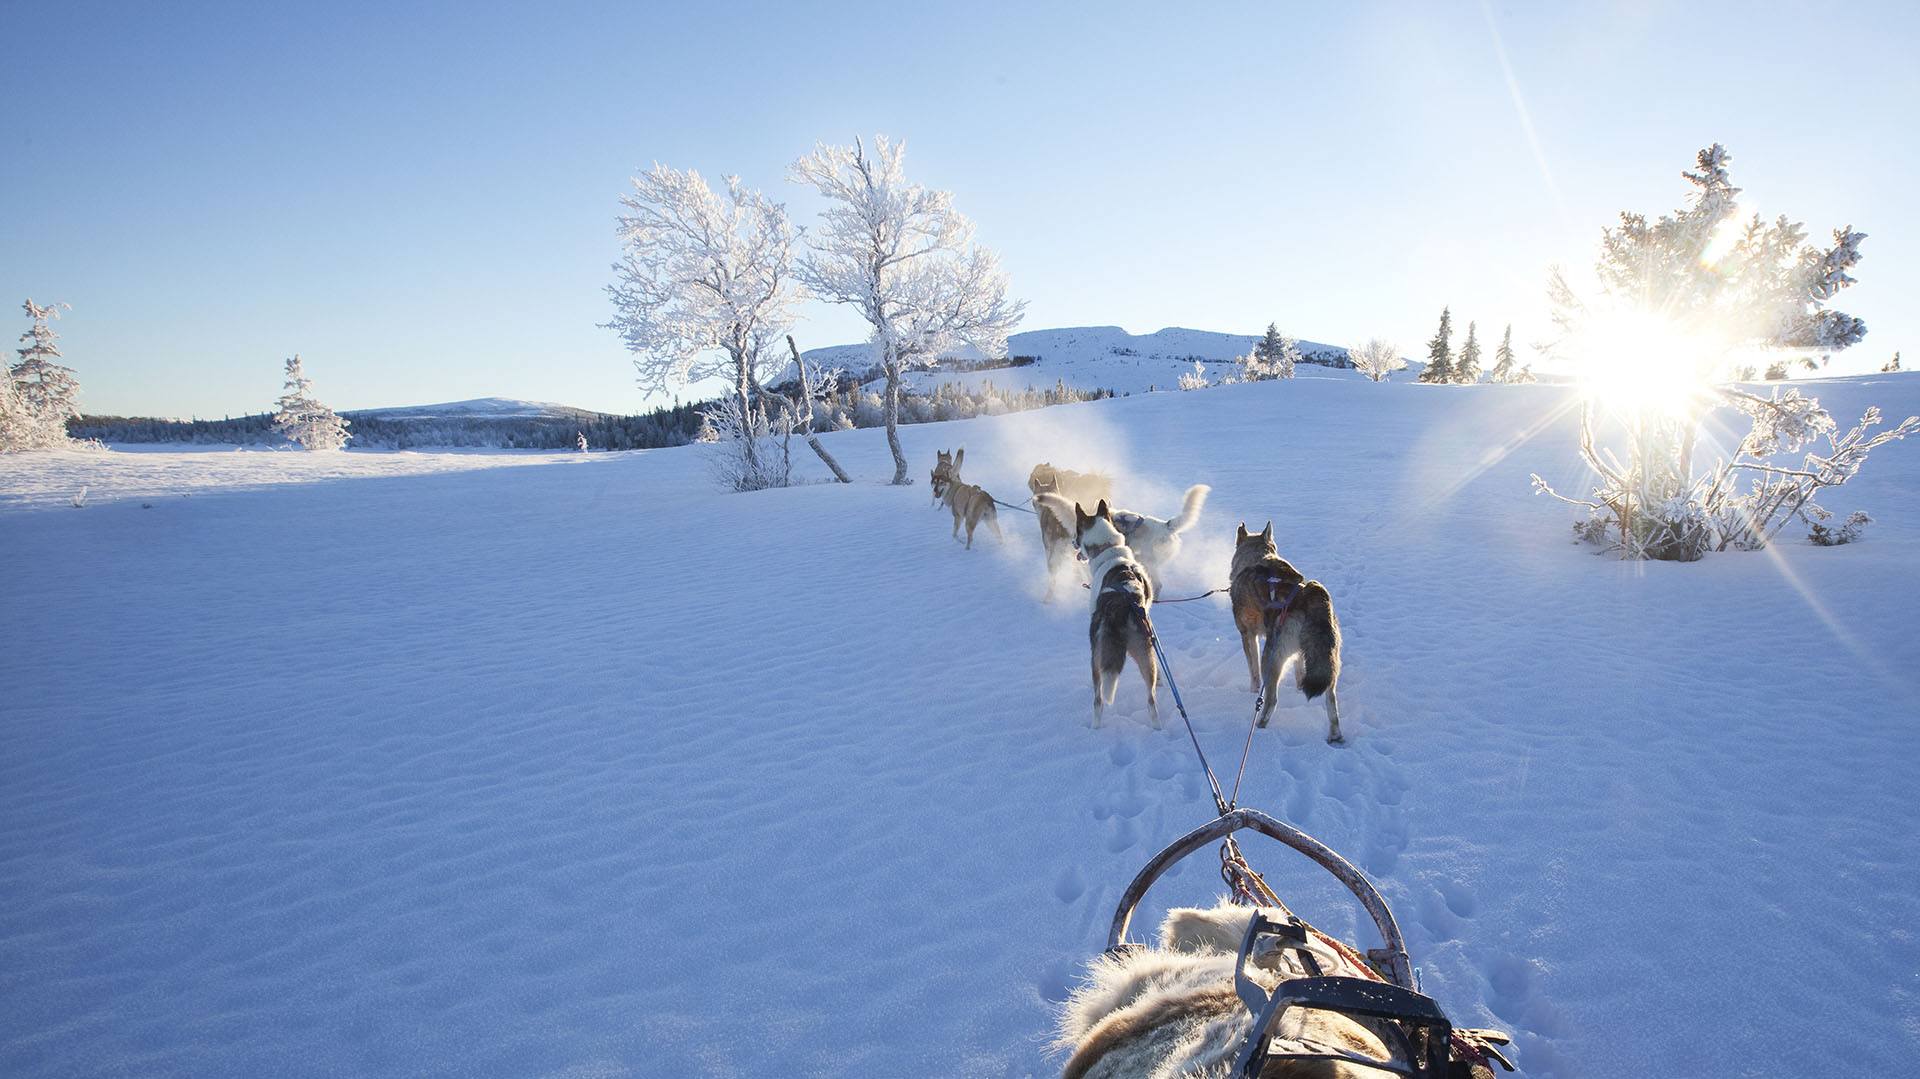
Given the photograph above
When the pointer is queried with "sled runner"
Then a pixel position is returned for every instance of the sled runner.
(1307, 1003)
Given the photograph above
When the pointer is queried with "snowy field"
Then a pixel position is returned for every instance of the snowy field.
(570, 765)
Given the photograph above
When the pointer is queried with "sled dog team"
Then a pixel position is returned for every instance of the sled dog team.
(1283, 618)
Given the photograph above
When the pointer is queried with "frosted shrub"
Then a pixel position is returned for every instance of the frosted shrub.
(1680, 304)
(1822, 536)
(1197, 380)
(744, 451)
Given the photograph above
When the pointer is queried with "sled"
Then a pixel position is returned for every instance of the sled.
(1378, 985)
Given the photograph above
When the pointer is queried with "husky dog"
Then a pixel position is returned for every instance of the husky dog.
(1283, 617)
(1155, 541)
(945, 467)
(1172, 1010)
(1121, 596)
(1086, 488)
(1056, 534)
(969, 503)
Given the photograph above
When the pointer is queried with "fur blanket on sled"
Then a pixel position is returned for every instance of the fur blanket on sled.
(1171, 1011)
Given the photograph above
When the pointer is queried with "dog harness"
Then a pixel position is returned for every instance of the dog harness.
(1273, 589)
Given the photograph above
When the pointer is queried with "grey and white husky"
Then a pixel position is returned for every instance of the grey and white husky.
(1283, 617)
(1122, 595)
(970, 504)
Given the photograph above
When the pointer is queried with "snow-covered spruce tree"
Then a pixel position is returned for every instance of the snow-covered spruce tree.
(704, 287)
(902, 256)
(1439, 352)
(41, 394)
(1376, 358)
(1273, 356)
(1680, 307)
(1503, 359)
(303, 420)
(1467, 367)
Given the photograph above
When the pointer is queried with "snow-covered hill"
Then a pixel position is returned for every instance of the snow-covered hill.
(479, 408)
(572, 765)
(1090, 358)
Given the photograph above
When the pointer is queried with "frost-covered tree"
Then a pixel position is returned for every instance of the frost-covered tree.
(1467, 368)
(1273, 356)
(41, 394)
(705, 284)
(902, 256)
(1440, 352)
(1503, 359)
(1892, 365)
(1376, 358)
(303, 420)
(1681, 306)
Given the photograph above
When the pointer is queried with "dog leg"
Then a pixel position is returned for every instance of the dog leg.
(1334, 737)
(1249, 644)
(1104, 685)
(1141, 651)
(1273, 668)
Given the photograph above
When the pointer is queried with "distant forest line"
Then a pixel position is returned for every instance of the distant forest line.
(844, 407)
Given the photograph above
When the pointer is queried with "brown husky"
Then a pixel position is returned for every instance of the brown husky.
(969, 503)
(945, 467)
(1283, 617)
(1121, 597)
(1060, 489)
(1086, 488)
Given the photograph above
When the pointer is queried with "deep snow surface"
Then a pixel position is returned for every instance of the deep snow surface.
(399, 764)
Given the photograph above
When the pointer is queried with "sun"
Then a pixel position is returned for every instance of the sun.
(1637, 362)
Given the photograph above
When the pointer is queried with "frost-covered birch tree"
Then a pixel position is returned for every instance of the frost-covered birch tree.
(303, 420)
(41, 394)
(1681, 305)
(902, 256)
(705, 284)
(1376, 358)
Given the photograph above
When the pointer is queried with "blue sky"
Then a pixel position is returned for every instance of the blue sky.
(419, 198)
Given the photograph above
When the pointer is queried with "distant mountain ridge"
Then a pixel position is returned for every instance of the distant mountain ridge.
(478, 408)
(1083, 357)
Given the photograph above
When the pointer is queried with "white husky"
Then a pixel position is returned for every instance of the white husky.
(1155, 541)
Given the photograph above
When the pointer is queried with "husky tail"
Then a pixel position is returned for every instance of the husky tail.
(1310, 626)
(1189, 508)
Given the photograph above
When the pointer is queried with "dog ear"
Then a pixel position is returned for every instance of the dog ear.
(1103, 510)
(1267, 532)
(1241, 535)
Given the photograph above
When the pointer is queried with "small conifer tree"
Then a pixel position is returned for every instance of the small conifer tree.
(1276, 353)
(41, 395)
(1467, 369)
(1503, 359)
(305, 421)
(1440, 352)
